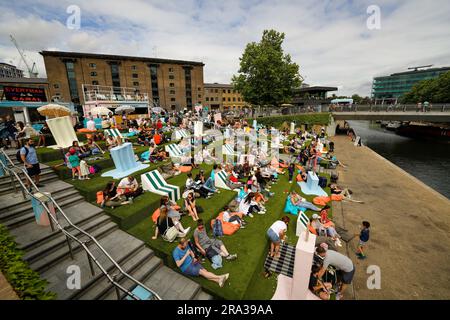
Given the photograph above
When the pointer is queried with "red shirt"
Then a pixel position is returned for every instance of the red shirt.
(159, 125)
(324, 216)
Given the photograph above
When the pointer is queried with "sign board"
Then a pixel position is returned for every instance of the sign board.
(24, 94)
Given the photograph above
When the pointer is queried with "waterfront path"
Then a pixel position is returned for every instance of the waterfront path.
(410, 236)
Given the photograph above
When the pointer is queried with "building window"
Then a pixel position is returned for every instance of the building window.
(93, 74)
(229, 99)
(234, 99)
(224, 91)
(154, 82)
(115, 77)
(207, 99)
(217, 98)
(172, 85)
(92, 65)
(171, 77)
(173, 107)
(217, 90)
(135, 75)
(199, 89)
(172, 99)
(136, 84)
(224, 99)
(188, 87)
(56, 86)
(95, 83)
(229, 91)
(172, 92)
(70, 68)
(134, 68)
(199, 96)
(239, 99)
(170, 69)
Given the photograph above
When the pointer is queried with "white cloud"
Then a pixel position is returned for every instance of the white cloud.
(328, 39)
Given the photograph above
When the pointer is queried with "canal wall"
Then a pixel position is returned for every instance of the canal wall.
(410, 236)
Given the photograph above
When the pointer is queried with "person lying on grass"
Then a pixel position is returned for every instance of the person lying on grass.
(346, 193)
(277, 233)
(301, 202)
(210, 247)
(185, 260)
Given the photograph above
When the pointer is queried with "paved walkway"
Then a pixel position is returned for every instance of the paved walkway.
(410, 236)
(6, 291)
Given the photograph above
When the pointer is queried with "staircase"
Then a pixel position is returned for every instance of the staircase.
(48, 253)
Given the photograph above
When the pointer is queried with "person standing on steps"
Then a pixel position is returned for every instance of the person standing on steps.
(30, 160)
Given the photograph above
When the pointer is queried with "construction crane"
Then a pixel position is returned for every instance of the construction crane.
(33, 73)
(420, 67)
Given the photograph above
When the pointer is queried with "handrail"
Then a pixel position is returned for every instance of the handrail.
(54, 220)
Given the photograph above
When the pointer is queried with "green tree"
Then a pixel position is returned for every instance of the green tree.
(432, 90)
(266, 75)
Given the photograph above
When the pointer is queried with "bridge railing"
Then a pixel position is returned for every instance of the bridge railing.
(391, 108)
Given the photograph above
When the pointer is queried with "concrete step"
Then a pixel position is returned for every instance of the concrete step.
(49, 259)
(16, 217)
(25, 204)
(140, 271)
(53, 243)
(7, 179)
(118, 244)
(31, 235)
(9, 188)
(132, 266)
(171, 285)
(202, 295)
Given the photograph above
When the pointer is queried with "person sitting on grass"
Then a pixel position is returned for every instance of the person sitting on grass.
(190, 205)
(129, 187)
(163, 223)
(93, 148)
(324, 216)
(74, 161)
(276, 233)
(301, 203)
(325, 230)
(248, 206)
(210, 247)
(111, 142)
(232, 218)
(208, 184)
(173, 213)
(364, 236)
(81, 151)
(185, 260)
(319, 288)
(111, 198)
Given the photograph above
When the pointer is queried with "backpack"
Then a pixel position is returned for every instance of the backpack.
(94, 169)
(217, 228)
(18, 155)
(323, 182)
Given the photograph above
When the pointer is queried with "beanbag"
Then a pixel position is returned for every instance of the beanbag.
(322, 201)
(228, 227)
(184, 169)
(86, 130)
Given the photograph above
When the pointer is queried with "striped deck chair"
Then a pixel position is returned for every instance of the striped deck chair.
(181, 133)
(228, 150)
(302, 223)
(153, 181)
(114, 133)
(175, 152)
(220, 181)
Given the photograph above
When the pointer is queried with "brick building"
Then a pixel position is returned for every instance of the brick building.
(222, 97)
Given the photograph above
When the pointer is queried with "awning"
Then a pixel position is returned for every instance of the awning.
(13, 104)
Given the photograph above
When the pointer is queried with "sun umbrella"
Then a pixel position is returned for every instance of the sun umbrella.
(54, 110)
(157, 109)
(124, 108)
(100, 111)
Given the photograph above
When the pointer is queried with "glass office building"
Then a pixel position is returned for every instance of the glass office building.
(389, 89)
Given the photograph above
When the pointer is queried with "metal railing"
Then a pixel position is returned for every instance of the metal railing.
(54, 221)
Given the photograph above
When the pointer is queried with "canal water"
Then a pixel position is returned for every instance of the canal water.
(426, 160)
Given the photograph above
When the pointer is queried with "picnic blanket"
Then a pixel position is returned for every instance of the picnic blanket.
(283, 265)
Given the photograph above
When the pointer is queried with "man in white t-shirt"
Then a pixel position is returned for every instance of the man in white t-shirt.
(276, 233)
(90, 124)
(129, 187)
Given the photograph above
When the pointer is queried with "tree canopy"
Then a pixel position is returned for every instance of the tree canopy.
(433, 90)
(266, 75)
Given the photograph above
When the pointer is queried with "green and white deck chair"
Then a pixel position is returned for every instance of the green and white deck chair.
(115, 133)
(220, 180)
(181, 133)
(175, 152)
(153, 181)
(228, 149)
(302, 223)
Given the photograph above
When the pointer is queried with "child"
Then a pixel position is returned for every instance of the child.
(363, 239)
(291, 172)
(74, 161)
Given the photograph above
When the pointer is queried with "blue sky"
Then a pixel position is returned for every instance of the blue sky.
(329, 39)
